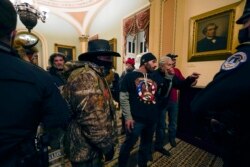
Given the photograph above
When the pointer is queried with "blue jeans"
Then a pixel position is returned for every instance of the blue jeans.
(145, 131)
(172, 109)
(172, 118)
(160, 129)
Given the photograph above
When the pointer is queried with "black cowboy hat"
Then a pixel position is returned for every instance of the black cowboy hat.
(245, 14)
(98, 47)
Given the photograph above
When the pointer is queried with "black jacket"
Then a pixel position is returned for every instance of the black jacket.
(217, 43)
(226, 99)
(28, 96)
(141, 90)
(58, 79)
(164, 86)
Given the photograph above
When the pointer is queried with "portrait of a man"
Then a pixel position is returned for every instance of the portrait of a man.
(211, 40)
(68, 52)
(212, 35)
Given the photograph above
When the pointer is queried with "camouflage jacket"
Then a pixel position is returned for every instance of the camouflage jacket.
(92, 130)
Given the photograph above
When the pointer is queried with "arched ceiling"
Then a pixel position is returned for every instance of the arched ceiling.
(68, 5)
(79, 13)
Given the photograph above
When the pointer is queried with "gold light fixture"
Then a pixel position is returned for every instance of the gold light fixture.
(29, 15)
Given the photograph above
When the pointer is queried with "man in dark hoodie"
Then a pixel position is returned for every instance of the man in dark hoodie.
(140, 110)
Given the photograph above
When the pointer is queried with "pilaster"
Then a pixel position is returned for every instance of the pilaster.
(155, 27)
(84, 43)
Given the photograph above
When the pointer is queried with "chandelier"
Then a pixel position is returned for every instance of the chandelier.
(29, 15)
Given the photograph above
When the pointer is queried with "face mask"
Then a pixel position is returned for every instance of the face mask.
(106, 71)
(243, 35)
(102, 63)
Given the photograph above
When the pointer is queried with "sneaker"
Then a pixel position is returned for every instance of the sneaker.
(172, 142)
(163, 151)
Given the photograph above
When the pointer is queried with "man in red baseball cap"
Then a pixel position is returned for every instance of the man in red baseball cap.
(130, 66)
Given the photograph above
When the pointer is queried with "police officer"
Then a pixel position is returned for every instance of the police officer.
(224, 103)
(28, 96)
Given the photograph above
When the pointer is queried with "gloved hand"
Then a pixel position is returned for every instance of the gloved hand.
(109, 155)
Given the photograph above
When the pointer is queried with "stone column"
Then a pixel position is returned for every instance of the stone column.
(84, 43)
(161, 30)
(155, 27)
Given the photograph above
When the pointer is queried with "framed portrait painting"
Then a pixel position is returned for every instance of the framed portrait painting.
(69, 51)
(211, 34)
(113, 46)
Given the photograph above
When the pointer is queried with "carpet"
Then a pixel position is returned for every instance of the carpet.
(183, 155)
(186, 155)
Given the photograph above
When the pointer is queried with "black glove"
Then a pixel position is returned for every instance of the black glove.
(109, 155)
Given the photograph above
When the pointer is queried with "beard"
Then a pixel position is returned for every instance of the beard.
(149, 68)
(243, 35)
(59, 67)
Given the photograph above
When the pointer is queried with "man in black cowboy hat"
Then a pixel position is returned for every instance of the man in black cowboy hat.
(28, 97)
(224, 103)
(92, 132)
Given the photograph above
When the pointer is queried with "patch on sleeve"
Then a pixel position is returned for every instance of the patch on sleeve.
(234, 61)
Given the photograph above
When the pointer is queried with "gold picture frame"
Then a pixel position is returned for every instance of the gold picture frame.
(69, 51)
(113, 46)
(199, 48)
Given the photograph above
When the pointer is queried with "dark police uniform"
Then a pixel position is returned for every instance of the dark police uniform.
(226, 99)
(27, 97)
